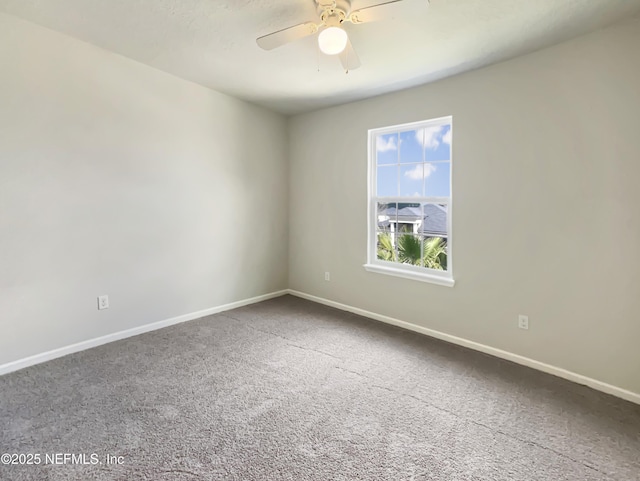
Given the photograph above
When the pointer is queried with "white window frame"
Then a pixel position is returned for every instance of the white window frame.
(425, 274)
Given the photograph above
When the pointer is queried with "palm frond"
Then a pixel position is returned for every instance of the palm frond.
(386, 252)
(435, 253)
(409, 249)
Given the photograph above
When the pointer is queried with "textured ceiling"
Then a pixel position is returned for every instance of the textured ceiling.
(212, 42)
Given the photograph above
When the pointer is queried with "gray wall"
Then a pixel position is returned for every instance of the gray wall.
(546, 161)
(118, 179)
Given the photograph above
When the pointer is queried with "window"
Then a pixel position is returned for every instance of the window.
(410, 201)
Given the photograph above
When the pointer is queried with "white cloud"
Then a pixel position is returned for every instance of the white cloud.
(419, 173)
(446, 138)
(429, 137)
(382, 146)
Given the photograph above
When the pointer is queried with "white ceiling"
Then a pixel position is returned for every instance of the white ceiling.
(212, 42)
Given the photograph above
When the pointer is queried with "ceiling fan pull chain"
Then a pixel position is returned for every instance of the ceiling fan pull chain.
(346, 70)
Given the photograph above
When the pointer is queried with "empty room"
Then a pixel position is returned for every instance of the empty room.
(318, 240)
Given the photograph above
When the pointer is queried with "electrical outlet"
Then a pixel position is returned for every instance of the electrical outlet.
(327, 276)
(103, 302)
(523, 322)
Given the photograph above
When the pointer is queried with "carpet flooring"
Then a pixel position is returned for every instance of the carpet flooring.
(292, 390)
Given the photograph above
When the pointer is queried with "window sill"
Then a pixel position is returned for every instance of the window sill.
(416, 276)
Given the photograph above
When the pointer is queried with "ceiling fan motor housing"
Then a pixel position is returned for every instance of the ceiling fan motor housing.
(333, 12)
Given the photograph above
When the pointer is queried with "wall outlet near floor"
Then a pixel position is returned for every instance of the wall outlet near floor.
(327, 276)
(523, 322)
(103, 302)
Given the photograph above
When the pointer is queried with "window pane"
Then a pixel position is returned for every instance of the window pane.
(437, 179)
(433, 222)
(387, 149)
(437, 143)
(385, 248)
(434, 253)
(406, 238)
(411, 180)
(410, 249)
(409, 216)
(386, 216)
(386, 231)
(387, 181)
(410, 146)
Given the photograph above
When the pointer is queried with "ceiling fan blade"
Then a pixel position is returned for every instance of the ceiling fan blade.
(349, 58)
(374, 13)
(282, 37)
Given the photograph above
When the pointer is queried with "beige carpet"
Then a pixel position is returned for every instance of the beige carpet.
(291, 390)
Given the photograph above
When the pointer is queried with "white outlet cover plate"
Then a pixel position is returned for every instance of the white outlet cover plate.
(523, 322)
(103, 302)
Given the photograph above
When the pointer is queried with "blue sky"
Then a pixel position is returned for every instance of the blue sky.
(400, 157)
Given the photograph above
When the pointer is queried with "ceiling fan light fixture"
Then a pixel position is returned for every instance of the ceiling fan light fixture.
(332, 40)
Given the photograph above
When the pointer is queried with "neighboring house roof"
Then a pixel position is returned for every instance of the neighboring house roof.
(433, 220)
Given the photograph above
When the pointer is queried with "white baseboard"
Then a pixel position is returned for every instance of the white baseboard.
(116, 336)
(509, 356)
(525, 361)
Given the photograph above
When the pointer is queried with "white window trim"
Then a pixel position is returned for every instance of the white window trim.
(378, 266)
(415, 276)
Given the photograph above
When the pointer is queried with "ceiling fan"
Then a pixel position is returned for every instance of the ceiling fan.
(333, 39)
